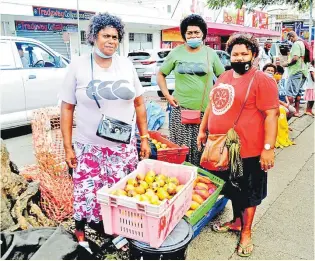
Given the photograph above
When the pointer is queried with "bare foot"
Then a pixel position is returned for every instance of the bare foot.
(296, 115)
(309, 113)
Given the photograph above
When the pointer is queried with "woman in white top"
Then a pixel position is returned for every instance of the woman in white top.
(101, 84)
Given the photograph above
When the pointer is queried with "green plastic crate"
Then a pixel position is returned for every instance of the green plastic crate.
(209, 203)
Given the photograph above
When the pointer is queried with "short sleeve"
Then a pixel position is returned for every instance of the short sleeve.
(137, 84)
(218, 67)
(169, 63)
(68, 88)
(267, 96)
(298, 49)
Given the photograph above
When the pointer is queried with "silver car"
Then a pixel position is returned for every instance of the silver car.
(146, 62)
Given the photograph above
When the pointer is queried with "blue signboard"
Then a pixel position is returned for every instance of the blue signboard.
(61, 13)
(44, 27)
(301, 29)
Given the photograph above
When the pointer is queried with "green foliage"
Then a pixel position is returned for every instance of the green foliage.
(216, 4)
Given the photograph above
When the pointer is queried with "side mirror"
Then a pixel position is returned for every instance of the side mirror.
(58, 61)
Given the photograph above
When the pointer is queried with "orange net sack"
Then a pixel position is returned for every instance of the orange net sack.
(56, 184)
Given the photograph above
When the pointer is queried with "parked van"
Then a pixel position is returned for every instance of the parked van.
(31, 75)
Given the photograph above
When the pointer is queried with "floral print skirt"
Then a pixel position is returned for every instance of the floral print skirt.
(98, 167)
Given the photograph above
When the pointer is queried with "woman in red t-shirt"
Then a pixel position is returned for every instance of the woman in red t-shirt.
(256, 128)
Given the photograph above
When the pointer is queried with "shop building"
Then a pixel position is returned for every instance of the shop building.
(57, 25)
(218, 34)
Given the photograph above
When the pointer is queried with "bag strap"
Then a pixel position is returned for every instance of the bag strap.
(206, 83)
(246, 97)
(93, 93)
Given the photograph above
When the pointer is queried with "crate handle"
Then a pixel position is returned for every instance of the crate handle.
(112, 202)
(141, 208)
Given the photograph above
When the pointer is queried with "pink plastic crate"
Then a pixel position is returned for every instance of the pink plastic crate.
(142, 221)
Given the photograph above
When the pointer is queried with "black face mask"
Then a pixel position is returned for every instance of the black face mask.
(241, 67)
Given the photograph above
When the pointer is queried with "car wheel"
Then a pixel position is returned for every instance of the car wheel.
(160, 94)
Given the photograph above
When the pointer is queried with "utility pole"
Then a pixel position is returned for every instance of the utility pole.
(311, 21)
(79, 33)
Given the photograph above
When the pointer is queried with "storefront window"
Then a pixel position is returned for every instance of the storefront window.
(83, 37)
(131, 37)
(149, 38)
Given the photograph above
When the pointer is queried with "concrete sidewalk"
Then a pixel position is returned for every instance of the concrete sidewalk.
(284, 222)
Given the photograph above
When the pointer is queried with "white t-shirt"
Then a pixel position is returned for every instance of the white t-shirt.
(116, 88)
(264, 58)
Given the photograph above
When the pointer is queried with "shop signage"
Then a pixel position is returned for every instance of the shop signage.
(61, 13)
(44, 27)
(260, 20)
(234, 16)
(286, 17)
(210, 38)
(287, 27)
(172, 35)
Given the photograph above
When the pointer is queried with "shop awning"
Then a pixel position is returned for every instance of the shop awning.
(228, 29)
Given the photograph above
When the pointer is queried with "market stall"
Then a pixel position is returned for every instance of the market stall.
(157, 209)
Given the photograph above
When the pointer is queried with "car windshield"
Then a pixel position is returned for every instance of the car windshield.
(135, 56)
(163, 54)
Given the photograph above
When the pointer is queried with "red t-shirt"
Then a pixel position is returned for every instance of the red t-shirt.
(227, 97)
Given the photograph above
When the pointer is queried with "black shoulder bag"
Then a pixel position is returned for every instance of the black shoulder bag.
(109, 128)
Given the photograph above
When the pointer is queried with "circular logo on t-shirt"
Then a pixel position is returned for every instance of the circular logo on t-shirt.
(222, 98)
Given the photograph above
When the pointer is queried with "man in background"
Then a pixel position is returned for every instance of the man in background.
(265, 56)
(22, 56)
(297, 71)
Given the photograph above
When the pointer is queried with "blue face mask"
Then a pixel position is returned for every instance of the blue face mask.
(194, 42)
(100, 54)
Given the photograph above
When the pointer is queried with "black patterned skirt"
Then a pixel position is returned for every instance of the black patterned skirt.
(185, 134)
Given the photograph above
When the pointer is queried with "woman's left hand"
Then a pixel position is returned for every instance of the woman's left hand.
(267, 159)
(145, 149)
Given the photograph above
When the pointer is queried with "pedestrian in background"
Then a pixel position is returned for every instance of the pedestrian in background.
(283, 98)
(255, 133)
(265, 55)
(101, 86)
(310, 90)
(195, 66)
(297, 71)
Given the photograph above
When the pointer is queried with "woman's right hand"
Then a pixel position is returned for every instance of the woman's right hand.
(201, 139)
(172, 101)
(71, 158)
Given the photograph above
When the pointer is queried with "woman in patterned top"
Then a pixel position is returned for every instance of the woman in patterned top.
(100, 78)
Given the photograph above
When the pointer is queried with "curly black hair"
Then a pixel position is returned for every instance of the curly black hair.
(193, 20)
(248, 40)
(102, 20)
(280, 69)
(267, 65)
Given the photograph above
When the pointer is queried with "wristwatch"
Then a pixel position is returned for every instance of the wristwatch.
(146, 136)
(267, 146)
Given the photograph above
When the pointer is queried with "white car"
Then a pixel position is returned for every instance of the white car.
(146, 62)
(31, 75)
